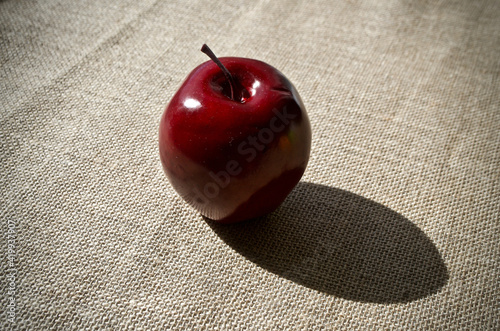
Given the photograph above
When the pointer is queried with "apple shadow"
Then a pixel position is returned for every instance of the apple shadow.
(342, 244)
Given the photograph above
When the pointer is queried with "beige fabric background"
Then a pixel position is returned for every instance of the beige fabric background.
(395, 224)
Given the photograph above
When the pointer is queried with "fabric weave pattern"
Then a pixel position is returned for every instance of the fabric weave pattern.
(395, 224)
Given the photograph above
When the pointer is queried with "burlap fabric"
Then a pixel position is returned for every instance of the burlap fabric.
(395, 224)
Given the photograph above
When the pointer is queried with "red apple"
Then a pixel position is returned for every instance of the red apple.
(235, 138)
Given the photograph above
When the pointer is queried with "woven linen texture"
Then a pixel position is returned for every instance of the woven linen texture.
(395, 224)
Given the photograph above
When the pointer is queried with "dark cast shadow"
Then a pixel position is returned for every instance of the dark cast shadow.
(342, 244)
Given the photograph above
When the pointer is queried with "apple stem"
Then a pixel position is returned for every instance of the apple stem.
(232, 84)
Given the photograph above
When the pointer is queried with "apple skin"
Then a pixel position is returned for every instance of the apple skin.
(234, 160)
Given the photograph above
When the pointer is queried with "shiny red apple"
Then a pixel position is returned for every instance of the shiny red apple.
(235, 138)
